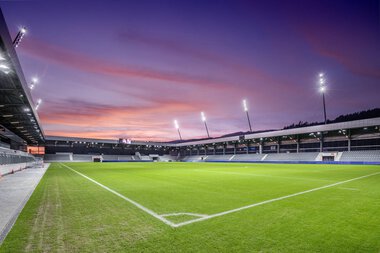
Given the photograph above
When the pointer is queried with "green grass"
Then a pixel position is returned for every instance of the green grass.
(68, 213)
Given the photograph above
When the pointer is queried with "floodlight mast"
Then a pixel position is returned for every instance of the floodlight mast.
(176, 125)
(322, 89)
(245, 107)
(19, 36)
(203, 116)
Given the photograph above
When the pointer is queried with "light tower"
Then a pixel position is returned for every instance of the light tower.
(322, 89)
(176, 125)
(33, 83)
(245, 107)
(203, 117)
(19, 36)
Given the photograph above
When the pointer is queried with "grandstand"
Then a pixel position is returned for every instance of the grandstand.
(337, 142)
(359, 156)
(20, 132)
(19, 123)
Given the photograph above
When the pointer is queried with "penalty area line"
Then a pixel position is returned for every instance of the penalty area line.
(143, 208)
(271, 200)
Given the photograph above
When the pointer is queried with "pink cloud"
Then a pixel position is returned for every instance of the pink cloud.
(75, 60)
(78, 118)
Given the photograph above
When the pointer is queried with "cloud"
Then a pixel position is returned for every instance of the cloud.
(359, 53)
(68, 117)
(78, 61)
(186, 50)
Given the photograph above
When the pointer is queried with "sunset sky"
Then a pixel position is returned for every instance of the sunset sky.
(127, 69)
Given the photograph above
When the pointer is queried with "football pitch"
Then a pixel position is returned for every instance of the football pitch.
(201, 207)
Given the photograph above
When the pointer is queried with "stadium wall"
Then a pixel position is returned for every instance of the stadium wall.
(12, 161)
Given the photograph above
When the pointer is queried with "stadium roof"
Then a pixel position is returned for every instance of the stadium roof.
(105, 141)
(295, 131)
(17, 109)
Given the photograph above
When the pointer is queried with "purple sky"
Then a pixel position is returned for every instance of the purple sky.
(113, 69)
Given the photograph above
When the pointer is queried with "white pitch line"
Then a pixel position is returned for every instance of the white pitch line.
(349, 189)
(155, 215)
(271, 200)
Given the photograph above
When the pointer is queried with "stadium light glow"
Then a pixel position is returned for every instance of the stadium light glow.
(322, 89)
(176, 125)
(33, 83)
(245, 107)
(203, 117)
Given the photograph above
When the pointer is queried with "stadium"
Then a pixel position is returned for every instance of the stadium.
(306, 187)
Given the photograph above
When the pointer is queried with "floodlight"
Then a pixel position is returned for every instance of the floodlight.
(322, 89)
(176, 125)
(19, 36)
(33, 83)
(39, 101)
(35, 80)
(245, 107)
(203, 116)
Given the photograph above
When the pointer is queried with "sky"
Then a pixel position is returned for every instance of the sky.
(127, 69)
